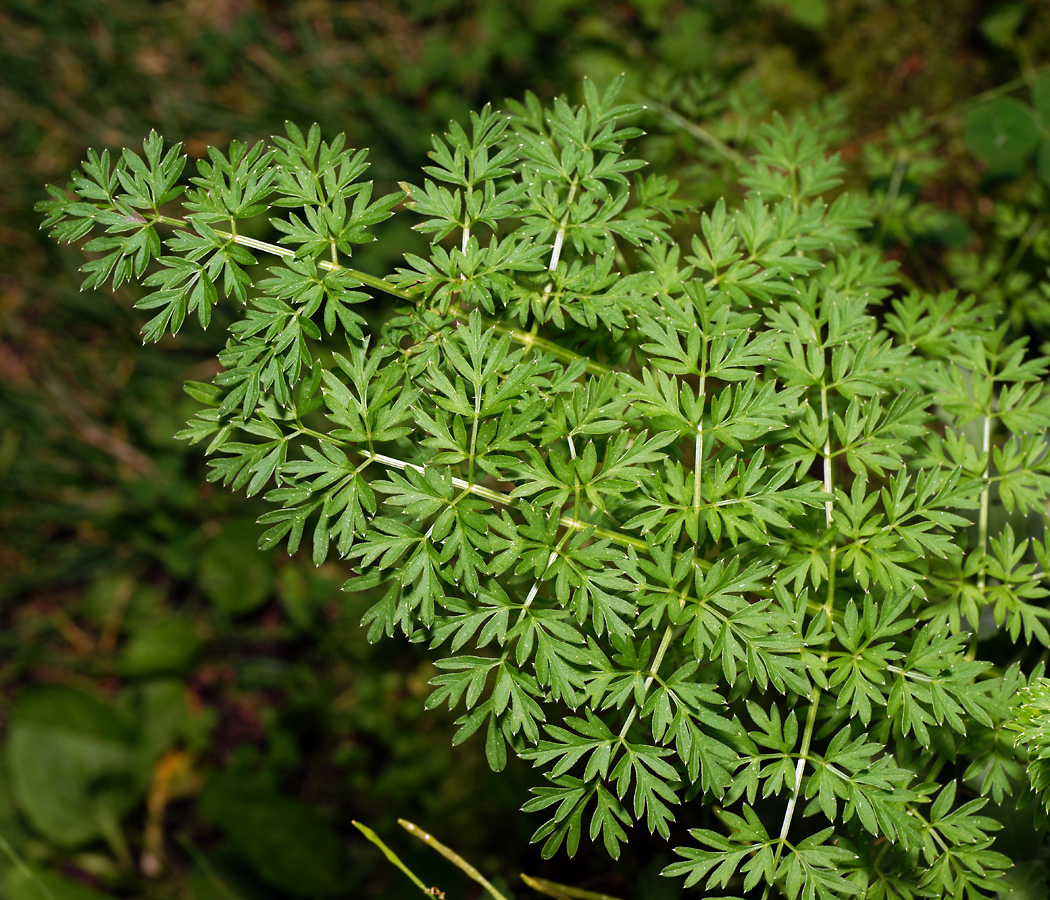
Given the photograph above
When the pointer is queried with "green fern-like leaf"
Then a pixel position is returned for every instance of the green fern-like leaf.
(684, 513)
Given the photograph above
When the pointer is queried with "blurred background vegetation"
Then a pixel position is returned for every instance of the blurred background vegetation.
(184, 717)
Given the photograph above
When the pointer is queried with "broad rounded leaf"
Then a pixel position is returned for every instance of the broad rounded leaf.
(233, 574)
(167, 646)
(1002, 133)
(284, 841)
(74, 764)
(27, 884)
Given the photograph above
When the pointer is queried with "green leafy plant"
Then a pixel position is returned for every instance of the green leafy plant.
(1010, 272)
(701, 511)
(77, 765)
(1032, 731)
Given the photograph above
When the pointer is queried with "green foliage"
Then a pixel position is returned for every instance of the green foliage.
(78, 765)
(1005, 132)
(31, 885)
(687, 523)
(285, 841)
(1011, 271)
(232, 577)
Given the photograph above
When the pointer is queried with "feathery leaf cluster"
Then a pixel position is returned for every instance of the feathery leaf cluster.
(687, 525)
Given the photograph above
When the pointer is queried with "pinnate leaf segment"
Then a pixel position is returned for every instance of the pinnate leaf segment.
(686, 524)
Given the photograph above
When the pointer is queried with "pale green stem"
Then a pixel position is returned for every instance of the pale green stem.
(912, 676)
(661, 651)
(392, 856)
(814, 697)
(559, 240)
(529, 341)
(524, 338)
(829, 508)
(458, 861)
(697, 131)
(698, 455)
(986, 448)
(562, 891)
(216, 882)
(698, 444)
(807, 737)
(28, 874)
(461, 483)
(491, 495)
(497, 497)
(277, 250)
(575, 477)
(899, 168)
(535, 589)
(933, 832)
(715, 280)
(474, 436)
(982, 525)
(957, 109)
(976, 100)
(665, 641)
